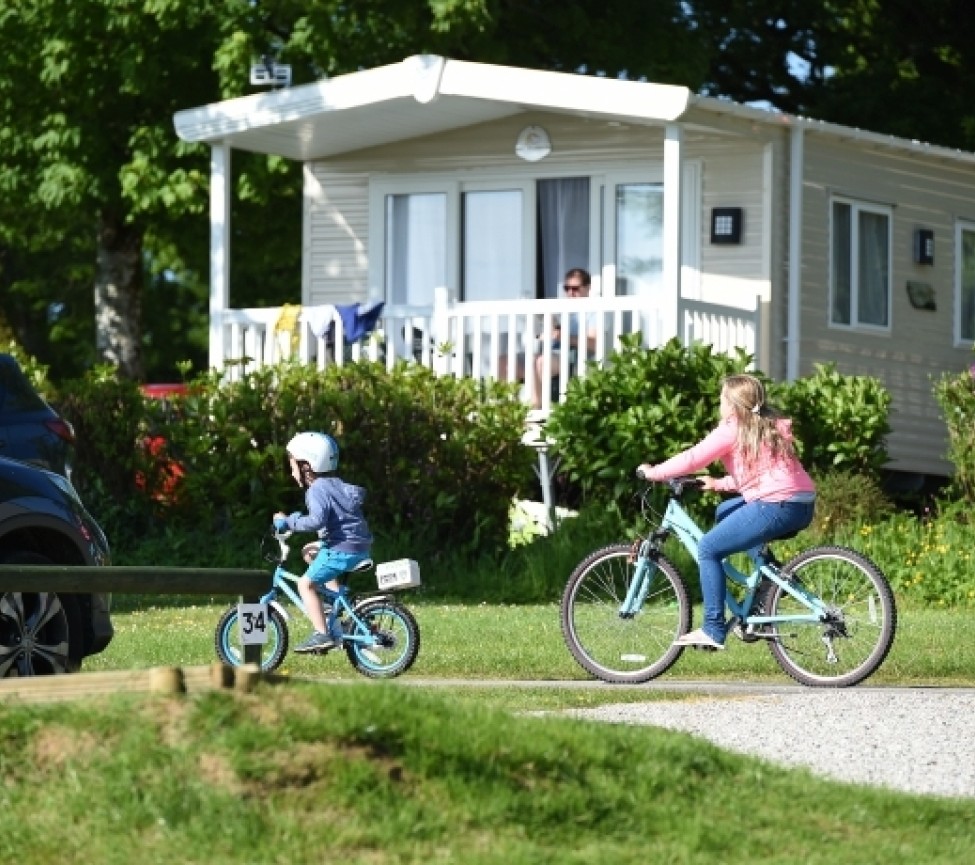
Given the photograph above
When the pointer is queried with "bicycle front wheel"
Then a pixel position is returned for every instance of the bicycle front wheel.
(396, 640)
(622, 649)
(229, 646)
(853, 640)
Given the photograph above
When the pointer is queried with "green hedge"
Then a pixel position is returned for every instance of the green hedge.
(955, 394)
(645, 406)
(440, 458)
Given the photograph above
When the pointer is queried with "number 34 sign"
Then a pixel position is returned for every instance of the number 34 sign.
(252, 619)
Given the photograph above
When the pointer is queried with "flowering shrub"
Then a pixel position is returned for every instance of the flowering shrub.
(956, 396)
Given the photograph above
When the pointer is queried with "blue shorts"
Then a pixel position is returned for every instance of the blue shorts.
(332, 564)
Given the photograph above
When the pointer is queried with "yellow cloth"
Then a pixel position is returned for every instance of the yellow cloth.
(286, 329)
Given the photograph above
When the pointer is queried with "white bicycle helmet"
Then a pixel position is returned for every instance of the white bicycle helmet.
(320, 451)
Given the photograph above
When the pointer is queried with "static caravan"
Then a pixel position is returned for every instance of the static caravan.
(458, 194)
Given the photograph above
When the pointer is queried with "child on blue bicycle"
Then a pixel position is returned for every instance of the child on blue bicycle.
(777, 497)
(335, 513)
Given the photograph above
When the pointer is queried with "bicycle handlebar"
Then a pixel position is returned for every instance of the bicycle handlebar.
(281, 535)
(676, 484)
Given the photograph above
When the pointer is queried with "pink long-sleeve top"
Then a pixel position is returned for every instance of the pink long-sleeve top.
(766, 479)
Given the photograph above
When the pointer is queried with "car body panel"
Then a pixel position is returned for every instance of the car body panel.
(30, 430)
(42, 514)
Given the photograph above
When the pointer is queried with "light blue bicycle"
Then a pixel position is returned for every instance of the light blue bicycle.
(827, 615)
(380, 636)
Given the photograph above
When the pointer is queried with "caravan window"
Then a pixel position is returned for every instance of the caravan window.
(965, 283)
(416, 241)
(860, 265)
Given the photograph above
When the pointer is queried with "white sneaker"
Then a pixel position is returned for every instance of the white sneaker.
(698, 638)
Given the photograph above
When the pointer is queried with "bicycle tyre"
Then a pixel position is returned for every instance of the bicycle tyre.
(230, 649)
(614, 649)
(397, 640)
(863, 633)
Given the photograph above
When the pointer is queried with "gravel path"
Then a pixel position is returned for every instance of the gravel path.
(917, 741)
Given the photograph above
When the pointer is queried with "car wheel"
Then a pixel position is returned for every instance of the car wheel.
(40, 633)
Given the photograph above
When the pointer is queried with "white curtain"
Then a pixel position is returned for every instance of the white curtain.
(493, 241)
(563, 231)
(416, 257)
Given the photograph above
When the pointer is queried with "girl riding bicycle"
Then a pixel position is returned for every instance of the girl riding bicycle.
(335, 513)
(776, 496)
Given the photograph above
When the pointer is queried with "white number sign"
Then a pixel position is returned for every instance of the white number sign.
(252, 619)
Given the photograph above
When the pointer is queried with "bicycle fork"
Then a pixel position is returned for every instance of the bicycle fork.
(640, 584)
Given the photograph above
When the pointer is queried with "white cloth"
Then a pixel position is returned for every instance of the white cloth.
(319, 318)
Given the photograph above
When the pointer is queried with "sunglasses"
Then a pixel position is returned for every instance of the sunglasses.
(573, 287)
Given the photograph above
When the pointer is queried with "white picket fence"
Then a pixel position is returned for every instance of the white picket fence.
(477, 339)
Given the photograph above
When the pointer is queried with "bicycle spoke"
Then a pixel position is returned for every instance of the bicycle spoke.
(857, 631)
(616, 648)
(395, 638)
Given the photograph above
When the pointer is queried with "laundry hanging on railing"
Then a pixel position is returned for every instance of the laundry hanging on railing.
(358, 319)
(320, 318)
(286, 329)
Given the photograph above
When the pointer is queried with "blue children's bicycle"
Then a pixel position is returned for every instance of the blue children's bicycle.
(827, 615)
(380, 636)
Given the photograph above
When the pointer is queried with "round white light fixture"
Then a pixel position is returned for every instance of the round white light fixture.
(533, 144)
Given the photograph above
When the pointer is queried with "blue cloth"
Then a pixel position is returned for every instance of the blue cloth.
(359, 319)
(741, 526)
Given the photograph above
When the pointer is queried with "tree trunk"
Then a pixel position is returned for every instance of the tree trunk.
(118, 296)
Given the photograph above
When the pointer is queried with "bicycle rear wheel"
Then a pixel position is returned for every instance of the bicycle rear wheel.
(396, 640)
(609, 646)
(859, 631)
(227, 640)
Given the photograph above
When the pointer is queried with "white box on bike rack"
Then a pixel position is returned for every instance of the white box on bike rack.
(401, 574)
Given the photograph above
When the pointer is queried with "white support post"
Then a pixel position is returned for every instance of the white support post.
(220, 186)
(673, 141)
(441, 328)
(792, 337)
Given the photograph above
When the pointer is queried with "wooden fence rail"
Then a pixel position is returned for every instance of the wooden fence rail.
(249, 585)
(131, 580)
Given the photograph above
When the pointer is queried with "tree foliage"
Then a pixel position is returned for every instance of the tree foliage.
(88, 92)
(103, 211)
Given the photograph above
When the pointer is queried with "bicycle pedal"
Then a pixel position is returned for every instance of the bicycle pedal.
(706, 648)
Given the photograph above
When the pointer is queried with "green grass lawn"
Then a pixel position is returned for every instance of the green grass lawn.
(484, 641)
(306, 771)
(377, 773)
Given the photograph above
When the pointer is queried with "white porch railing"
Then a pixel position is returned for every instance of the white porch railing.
(478, 339)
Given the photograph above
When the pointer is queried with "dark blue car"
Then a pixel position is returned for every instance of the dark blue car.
(30, 430)
(43, 522)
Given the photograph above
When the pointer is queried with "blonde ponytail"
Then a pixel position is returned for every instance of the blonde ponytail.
(757, 420)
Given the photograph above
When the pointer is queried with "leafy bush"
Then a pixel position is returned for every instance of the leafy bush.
(644, 406)
(107, 413)
(840, 421)
(846, 500)
(439, 457)
(955, 395)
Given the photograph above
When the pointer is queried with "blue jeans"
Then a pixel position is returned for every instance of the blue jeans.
(741, 526)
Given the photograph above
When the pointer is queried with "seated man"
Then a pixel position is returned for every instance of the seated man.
(577, 283)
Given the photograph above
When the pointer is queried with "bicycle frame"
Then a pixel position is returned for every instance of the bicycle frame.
(282, 583)
(679, 523)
